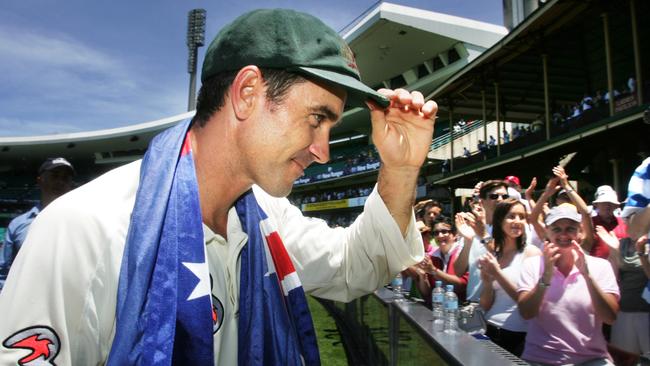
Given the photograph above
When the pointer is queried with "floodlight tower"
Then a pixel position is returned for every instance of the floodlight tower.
(195, 39)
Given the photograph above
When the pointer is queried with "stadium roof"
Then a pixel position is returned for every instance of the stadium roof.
(402, 47)
(110, 146)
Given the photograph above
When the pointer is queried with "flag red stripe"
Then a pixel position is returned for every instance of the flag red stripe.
(281, 260)
(187, 146)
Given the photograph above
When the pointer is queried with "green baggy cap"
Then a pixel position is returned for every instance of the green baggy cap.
(292, 41)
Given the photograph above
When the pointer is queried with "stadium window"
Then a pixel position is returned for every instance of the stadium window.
(453, 56)
(437, 63)
(397, 82)
(422, 71)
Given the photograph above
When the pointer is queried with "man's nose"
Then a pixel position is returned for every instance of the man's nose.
(320, 148)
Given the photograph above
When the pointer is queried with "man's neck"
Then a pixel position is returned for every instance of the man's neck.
(218, 174)
(46, 199)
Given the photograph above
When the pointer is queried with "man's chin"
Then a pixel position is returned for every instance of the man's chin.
(277, 191)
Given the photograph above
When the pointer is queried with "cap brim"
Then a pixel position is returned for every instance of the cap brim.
(58, 165)
(606, 201)
(551, 220)
(358, 92)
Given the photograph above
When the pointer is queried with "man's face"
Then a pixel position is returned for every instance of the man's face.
(605, 210)
(56, 182)
(430, 215)
(492, 198)
(287, 137)
(563, 231)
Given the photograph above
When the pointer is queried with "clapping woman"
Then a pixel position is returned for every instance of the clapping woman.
(439, 266)
(500, 272)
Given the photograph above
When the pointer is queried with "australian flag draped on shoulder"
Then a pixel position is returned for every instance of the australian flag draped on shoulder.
(164, 310)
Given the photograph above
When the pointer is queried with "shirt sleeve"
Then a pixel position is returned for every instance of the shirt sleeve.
(39, 298)
(476, 251)
(530, 273)
(604, 275)
(344, 263)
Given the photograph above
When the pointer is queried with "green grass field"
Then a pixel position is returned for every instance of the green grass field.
(329, 340)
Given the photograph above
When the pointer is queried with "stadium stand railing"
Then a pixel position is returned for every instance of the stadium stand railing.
(377, 331)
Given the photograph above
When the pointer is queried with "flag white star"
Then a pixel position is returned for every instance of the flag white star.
(201, 271)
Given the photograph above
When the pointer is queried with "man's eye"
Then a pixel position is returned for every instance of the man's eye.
(316, 120)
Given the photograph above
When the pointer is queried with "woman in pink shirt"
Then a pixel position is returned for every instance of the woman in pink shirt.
(567, 295)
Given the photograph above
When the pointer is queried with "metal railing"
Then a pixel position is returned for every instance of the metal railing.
(377, 331)
(444, 139)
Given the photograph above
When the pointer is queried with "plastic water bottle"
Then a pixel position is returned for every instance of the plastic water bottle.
(437, 300)
(397, 288)
(451, 310)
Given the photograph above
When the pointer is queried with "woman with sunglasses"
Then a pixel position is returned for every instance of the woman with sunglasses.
(500, 272)
(439, 266)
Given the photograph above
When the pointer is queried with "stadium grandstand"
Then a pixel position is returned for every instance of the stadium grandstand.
(546, 85)
(563, 82)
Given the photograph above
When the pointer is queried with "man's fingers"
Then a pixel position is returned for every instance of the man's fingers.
(430, 109)
(409, 101)
(403, 96)
(417, 100)
(388, 93)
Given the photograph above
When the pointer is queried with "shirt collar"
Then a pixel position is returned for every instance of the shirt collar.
(34, 211)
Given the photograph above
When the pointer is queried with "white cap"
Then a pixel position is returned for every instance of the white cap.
(563, 211)
(606, 194)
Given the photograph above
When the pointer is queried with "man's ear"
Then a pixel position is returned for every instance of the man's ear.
(246, 90)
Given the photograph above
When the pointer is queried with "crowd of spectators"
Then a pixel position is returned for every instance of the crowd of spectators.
(368, 156)
(561, 118)
(517, 131)
(567, 113)
(330, 195)
(341, 219)
(343, 164)
(558, 281)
